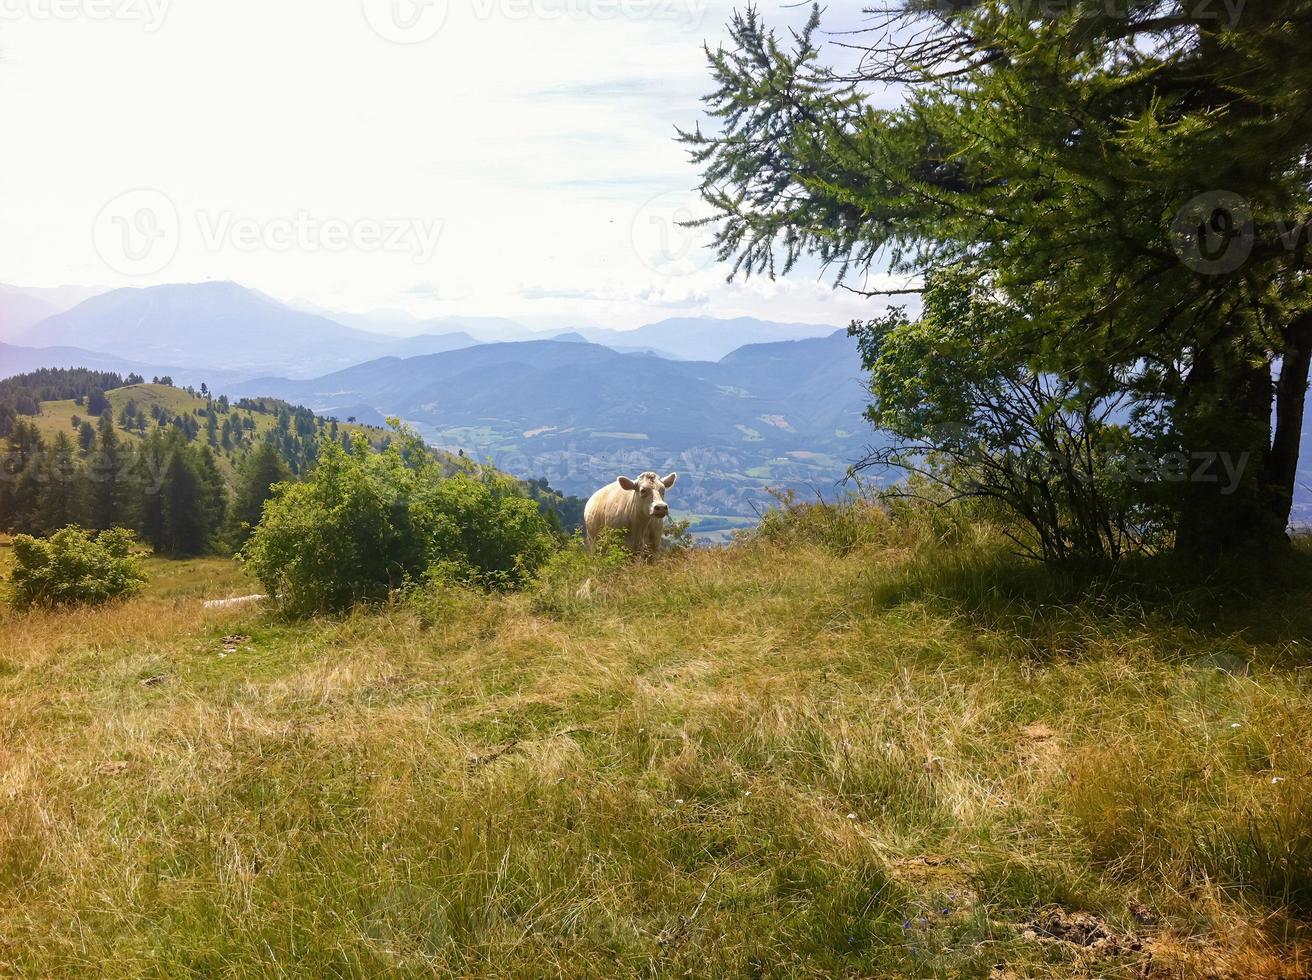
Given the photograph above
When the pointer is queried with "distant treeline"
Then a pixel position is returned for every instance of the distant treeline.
(23, 394)
(168, 488)
(194, 481)
(564, 512)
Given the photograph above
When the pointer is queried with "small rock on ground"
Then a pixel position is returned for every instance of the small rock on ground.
(236, 601)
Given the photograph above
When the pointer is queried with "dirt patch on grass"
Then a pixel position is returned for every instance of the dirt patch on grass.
(1082, 929)
(1040, 746)
(928, 868)
(1038, 732)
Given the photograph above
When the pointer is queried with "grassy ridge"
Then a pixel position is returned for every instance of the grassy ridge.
(784, 758)
(57, 416)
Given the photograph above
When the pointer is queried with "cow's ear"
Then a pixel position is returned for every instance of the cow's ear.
(669, 480)
(627, 484)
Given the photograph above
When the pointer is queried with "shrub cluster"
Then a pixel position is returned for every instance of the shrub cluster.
(841, 527)
(74, 567)
(366, 523)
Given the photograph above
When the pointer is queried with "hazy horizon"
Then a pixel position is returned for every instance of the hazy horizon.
(395, 321)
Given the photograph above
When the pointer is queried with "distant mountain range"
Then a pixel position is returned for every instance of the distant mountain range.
(702, 338)
(217, 325)
(19, 360)
(785, 414)
(578, 408)
(222, 326)
(681, 338)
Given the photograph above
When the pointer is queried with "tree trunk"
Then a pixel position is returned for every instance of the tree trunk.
(1224, 428)
(1291, 394)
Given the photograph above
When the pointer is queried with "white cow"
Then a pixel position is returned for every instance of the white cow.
(636, 507)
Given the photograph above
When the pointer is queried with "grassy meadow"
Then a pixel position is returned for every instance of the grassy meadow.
(851, 752)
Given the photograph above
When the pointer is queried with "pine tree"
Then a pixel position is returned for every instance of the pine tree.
(86, 437)
(8, 417)
(260, 471)
(1133, 180)
(213, 496)
(20, 479)
(181, 495)
(148, 478)
(60, 478)
(108, 502)
(184, 499)
(97, 402)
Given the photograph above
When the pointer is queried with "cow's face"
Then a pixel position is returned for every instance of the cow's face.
(650, 490)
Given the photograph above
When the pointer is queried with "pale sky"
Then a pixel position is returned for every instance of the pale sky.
(445, 157)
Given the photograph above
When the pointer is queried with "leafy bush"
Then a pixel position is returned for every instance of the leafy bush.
(677, 537)
(970, 415)
(366, 523)
(73, 567)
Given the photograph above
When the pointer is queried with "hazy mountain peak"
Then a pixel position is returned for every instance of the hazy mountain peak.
(217, 324)
(21, 307)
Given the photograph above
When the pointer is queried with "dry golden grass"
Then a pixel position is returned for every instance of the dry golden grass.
(782, 758)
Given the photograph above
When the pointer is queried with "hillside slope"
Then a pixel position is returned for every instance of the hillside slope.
(765, 760)
(257, 419)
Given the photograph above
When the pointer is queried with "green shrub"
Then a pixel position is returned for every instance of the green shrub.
(366, 523)
(677, 537)
(490, 533)
(73, 567)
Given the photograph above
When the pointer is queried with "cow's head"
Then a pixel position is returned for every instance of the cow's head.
(650, 489)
